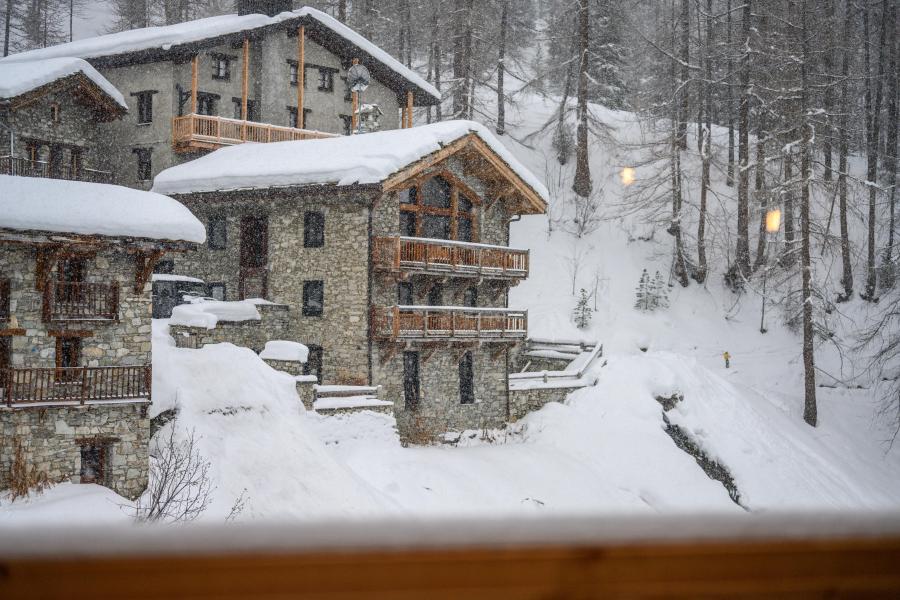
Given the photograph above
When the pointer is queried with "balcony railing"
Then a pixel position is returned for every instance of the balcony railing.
(12, 165)
(202, 131)
(448, 323)
(446, 257)
(74, 385)
(81, 301)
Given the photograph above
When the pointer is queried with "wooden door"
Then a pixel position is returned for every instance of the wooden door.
(253, 279)
(93, 463)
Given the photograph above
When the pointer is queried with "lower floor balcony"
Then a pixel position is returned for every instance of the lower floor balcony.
(64, 301)
(23, 167)
(74, 385)
(450, 323)
(203, 132)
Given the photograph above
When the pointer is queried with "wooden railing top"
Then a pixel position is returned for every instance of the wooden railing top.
(224, 131)
(24, 386)
(24, 167)
(457, 243)
(449, 258)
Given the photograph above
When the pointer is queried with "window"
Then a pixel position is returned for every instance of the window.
(217, 234)
(165, 266)
(326, 79)
(347, 124)
(206, 104)
(405, 295)
(466, 379)
(436, 295)
(144, 106)
(5, 354)
(470, 297)
(221, 67)
(313, 229)
(295, 72)
(348, 93)
(217, 291)
(439, 208)
(292, 117)
(238, 106)
(68, 358)
(313, 365)
(94, 458)
(54, 112)
(411, 380)
(4, 299)
(144, 163)
(313, 298)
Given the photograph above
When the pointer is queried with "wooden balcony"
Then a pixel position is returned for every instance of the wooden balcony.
(201, 132)
(448, 258)
(76, 385)
(12, 165)
(81, 301)
(450, 323)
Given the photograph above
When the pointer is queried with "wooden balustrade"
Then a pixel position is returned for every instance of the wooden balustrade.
(448, 323)
(75, 384)
(446, 257)
(81, 301)
(11, 165)
(202, 131)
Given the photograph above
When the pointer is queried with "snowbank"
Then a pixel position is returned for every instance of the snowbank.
(208, 313)
(64, 505)
(37, 204)
(19, 78)
(285, 350)
(346, 160)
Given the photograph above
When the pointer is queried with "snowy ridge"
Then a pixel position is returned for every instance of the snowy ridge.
(16, 78)
(36, 204)
(168, 36)
(347, 160)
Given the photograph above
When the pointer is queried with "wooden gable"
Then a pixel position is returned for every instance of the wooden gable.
(83, 89)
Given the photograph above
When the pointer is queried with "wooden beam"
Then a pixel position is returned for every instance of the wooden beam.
(194, 75)
(301, 73)
(403, 176)
(144, 263)
(10, 331)
(46, 258)
(409, 109)
(79, 333)
(354, 108)
(245, 79)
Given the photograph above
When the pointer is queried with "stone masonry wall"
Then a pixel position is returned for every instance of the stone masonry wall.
(522, 402)
(51, 437)
(274, 322)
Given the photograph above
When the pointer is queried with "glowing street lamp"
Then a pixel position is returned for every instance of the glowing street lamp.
(773, 224)
(627, 176)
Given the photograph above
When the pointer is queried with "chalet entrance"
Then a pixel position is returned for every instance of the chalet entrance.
(94, 462)
(253, 280)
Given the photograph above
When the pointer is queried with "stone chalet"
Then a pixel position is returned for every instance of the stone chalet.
(75, 326)
(391, 250)
(265, 74)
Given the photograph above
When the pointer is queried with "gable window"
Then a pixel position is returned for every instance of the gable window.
(216, 233)
(238, 109)
(221, 67)
(313, 364)
(144, 106)
(347, 124)
(313, 298)
(68, 358)
(439, 207)
(466, 379)
(54, 112)
(313, 229)
(217, 291)
(144, 163)
(326, 79)
(206, 103)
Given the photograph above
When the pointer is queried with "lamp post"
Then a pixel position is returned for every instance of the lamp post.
(773, 224)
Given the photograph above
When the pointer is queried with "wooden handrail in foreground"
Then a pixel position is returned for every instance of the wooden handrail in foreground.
(329, 562)
(448, 257)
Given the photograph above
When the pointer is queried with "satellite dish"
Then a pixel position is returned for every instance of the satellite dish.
(358, 78)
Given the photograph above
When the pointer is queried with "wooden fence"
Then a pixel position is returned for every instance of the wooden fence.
(73, 384)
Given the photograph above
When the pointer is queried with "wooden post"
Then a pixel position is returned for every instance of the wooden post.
(409, 109)
(194, 67)
(245, 87)
(354, 108)
(301, 74)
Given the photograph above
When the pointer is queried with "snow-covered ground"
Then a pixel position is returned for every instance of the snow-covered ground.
(605, 451)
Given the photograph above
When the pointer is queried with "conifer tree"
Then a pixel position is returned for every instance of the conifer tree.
(582, 313)
(642, 292)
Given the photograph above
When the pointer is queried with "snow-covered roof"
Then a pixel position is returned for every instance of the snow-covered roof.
(348, 160)
(169, 36)
(172, 277)
(55, 205)
(19, 78)
(208, 313)
(285, 350)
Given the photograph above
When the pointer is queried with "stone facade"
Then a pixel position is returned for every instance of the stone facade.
(524, 401)
(274, 322)
(52, 438)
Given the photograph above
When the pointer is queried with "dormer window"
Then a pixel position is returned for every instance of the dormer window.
(221, 67)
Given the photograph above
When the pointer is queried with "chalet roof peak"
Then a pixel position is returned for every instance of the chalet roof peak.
(386, 158)
(158, 42)
(20, 78)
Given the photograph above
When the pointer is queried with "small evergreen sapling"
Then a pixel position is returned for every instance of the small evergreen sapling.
(660, 292)
(642, 292)
(582, 312)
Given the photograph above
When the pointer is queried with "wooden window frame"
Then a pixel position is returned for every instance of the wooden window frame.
(104, 446)
(239, 109)
(209, 227)
(293, 72)
(310, 285)
(456, 187)
(144, 106)
(308, 229)
(61, 341)
(219, 59)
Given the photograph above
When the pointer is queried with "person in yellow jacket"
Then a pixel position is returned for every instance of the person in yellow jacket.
(727, 358)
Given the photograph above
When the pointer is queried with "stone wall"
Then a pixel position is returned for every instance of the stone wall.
(273, 324)
(524, 401)
(51, 439)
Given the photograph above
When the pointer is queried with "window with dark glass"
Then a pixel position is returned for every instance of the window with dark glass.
(411, 379)
(295, 71)
(326, 79)
(5, 355)
(436, 192)
(5, 293)
(436, 295)
(221, 66)
(68, 357)
(438, 208)
(466, 379)
(216, 234)
(206, 104)
(313, 298)
(54, 112)
(94, 459)
(313, 229)
(165, 266)
(144, 163)
(238, 109)
(346, 124)
(436, 226)
(470, 296)
(217, 291)
(144, 106)
(408, 224)
(405, 295)
(313, 365)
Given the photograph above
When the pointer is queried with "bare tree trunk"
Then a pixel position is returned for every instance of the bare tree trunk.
(7, 26)
(827, 93)
(760, 187)
(684, 24)
(809, 382)
(460, 60)
(742, 252)
(889, 162)
(582, 185)
(789, 254)
(729, 102)
(501, 68)
(342, 11)
(843, 151)
(705, 150)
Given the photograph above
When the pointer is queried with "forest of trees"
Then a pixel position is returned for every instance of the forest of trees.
(796, 90)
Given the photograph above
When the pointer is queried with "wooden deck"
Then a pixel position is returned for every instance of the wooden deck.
(448, 258)
(73, 385)
(436, 323)
(81, 302)
(23, 167)
(201, 132)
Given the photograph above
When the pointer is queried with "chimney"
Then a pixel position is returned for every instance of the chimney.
(263, 7)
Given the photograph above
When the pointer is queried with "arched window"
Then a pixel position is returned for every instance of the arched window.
(440, 208)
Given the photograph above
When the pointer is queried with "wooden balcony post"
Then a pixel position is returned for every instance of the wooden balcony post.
(194, 75)
(301, 73)
(354, 108)
(396, 323)
(245, 78)
(409, 110)
(83, 384)
(397, 253)
(425, 324)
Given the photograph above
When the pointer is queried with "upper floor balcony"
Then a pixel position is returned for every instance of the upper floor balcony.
(74, 385)
(202, 132)
(405, 255)
(12, 165)
(448, 323)
(65, 301)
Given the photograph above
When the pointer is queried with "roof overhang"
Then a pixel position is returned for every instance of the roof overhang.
(77, 240)
(85, 90)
